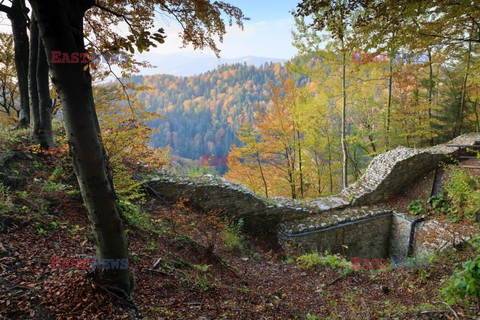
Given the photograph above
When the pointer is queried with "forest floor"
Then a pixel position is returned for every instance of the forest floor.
(183, 268)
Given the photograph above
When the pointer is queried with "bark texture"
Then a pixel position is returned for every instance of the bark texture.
(61, 29)
(32, 80)
(18, 16)
(38, 86)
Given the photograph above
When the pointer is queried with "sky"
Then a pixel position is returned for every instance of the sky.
(267, 34)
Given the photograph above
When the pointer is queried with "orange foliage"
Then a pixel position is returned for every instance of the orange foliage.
(126, 136)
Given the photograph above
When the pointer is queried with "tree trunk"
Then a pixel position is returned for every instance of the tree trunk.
(477, 122)
(20, 38)
(344, 120)
(300, 164)
(389, 105)
(463, 94)
(32, 81)
(38, 86)
(61, 29)
(319, 170)
(330, 173)
(44, 134)
(261, 173)
(291, 172)
(430, 94)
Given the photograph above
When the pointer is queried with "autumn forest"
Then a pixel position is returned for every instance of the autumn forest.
(273, 159)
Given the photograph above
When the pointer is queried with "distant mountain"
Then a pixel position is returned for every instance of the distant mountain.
(190, 64)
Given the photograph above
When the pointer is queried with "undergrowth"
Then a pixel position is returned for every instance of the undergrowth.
(464, 285)
(314, 260)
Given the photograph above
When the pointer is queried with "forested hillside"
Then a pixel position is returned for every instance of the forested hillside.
(294, 113)
(202, 113)
(338, 199)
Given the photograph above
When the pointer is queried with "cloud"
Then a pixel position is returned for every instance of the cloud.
(262, 38)
(270, 38)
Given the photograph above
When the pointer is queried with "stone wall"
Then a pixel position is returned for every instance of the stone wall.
(260, 215)
(387, 174)
(391, 172)
(367, 232)
(381, 234)
(366, 238)
(400, 236)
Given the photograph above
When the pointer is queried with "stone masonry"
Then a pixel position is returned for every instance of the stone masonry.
(318, 223)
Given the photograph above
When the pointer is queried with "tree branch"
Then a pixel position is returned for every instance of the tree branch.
(116, 14)
(7, 10)
(173, 14)
(124, 88)
(449, 38)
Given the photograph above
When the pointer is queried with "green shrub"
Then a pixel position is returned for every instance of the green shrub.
(314, 260)
(133, 214)
(310, 261)
(440, 204)
(233, 238)
(465, 282)
(10, 138)
(4, 190)
(201, 171)
(463, 192)
(311, 317)
(201, 267)
(202, 284)
(417, 208)
(52, 186)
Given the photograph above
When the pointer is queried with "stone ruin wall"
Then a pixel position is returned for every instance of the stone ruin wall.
(325, 222)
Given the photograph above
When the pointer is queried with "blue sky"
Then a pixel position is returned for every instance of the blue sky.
(264, 10)
(267, 34)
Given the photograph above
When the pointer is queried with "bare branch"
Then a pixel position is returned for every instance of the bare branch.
(124, 87)
(173, 14)
(7, 10)
(119, 15)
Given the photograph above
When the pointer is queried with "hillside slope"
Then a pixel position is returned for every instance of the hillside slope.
(187, 264)
(203, 112)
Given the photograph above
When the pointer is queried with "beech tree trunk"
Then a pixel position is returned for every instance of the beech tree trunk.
(17, 15)
(38, 86)
(344, 123)
(32, 81)
(45, 133)
(61, 29)
(461, 108)
(265, 186)
(430, 95)
(389, 104)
